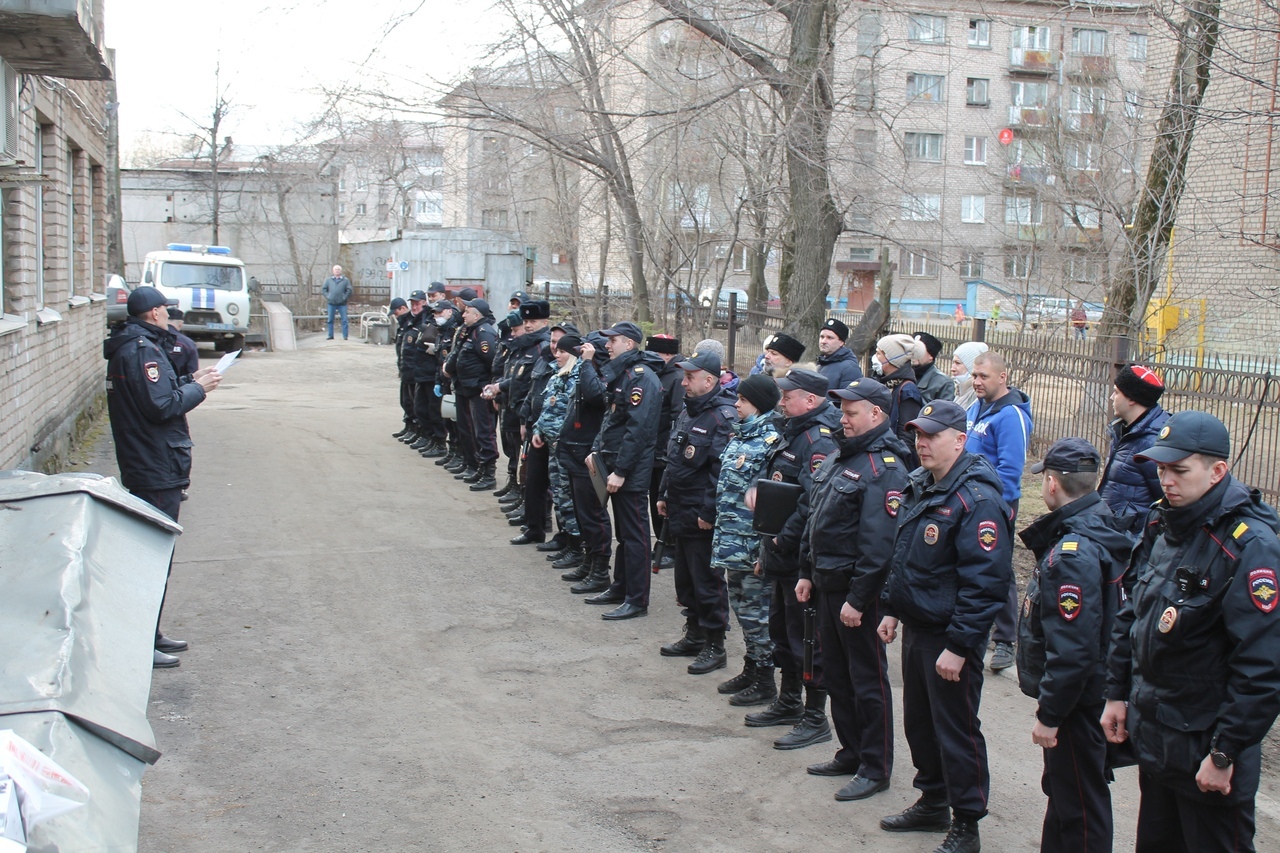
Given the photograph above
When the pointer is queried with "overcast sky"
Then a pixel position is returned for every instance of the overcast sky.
(276, 56)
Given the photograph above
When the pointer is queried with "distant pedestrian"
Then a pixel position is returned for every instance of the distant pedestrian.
(1080, 321)
(995, 315)
(959, 315)
(337, 292)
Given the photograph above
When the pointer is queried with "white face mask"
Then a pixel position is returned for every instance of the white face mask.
(441, 320)
(877, 367)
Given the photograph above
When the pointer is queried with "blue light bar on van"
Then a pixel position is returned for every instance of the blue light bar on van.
(194, 247)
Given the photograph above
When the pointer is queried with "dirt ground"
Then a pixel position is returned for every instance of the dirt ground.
(374, 667)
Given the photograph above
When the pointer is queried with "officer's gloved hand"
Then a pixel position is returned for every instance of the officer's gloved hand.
(436, 389)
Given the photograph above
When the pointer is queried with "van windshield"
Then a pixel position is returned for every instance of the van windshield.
(173, 274)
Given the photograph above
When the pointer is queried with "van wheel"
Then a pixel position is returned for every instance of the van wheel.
(233, 343)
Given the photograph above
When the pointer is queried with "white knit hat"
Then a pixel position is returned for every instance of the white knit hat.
(899, 349)
(968, 352)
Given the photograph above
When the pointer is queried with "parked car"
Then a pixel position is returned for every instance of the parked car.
(118, 291)
(704, 298)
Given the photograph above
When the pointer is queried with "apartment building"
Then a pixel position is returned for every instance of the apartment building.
(993, 149)
(390, 177)
(53, 190)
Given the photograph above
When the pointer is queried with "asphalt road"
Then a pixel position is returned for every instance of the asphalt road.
(373, 667)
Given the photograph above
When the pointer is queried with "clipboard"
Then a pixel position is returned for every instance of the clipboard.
(598, 477)
(775, 503)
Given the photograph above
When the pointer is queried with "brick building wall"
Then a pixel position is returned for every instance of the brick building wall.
(53, 265)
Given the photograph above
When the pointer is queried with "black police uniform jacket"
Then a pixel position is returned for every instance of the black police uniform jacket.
(1070, 606)
(807, 440)
(403, 322)
(1196, 648)
(449, 334)
(523, 353)
(629, 431)
(672, 404)
(852, 516)
(582, 420)
(541, 370)
(148, 404)
(699, 436)
(953, 558)
(471, 361)
(184, 354)
(421, 339)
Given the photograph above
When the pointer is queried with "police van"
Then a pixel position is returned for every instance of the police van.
(211, 288)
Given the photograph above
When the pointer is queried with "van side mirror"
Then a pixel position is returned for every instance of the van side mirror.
(146, 277)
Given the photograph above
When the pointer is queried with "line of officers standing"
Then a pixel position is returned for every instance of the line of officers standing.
(1147, 638)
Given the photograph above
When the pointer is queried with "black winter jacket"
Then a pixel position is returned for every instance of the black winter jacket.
(1070, 605)
(148, 404)
(582, 420)
(523, 353)
(629, 432)
(1130, 487)
(953, 558)
(693, 461)
(471, 360)
(840, 368)
(807, 440)
(672, 403)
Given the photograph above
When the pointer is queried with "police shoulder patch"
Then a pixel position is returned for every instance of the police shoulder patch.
(824, 430)
(1070, 545)
(152, 370)
(1263, 589)
(1069, 601)
(816, 460)
(484, 346)
(988, 537)
(893, 502)
(637, 394)
(771, 438)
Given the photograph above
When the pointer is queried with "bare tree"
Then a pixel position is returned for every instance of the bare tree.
(212, 147)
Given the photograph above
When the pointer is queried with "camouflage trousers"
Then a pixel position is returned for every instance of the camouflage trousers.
(749, 596)
(561, 495)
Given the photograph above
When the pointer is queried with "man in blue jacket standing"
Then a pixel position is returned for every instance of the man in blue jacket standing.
(336, 291)
(1128, 486)
(1000, 430)
(835, 360)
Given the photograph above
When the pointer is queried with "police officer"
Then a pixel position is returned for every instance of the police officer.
(524, 353)
(421, 344)
(184, 354)
(626, 444)
(808, 437)
(667, 348)
(688, 503)
(400, 311)
(148, 404)
(449, 322)
(851, 518)
(1195, 652)
(471, 366)
(1063, 632)
(951, 565)
(582, 421)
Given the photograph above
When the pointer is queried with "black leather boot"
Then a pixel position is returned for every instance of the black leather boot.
(471, 475)
(555, 543)
(690, 644)
(449, 455)
(516, 511)
(410, 436)
(402, 433)
(597, 579)
(458, 464)
(487, 480)
(924, 815)
(786, 710)
(961, 838)
(583, 569)
(506, 487)
(419, 443)
(742, 680)
(571, 556)
(762, 691)
(434, 450)
(813, 726)
(528, 538)
(712, 656)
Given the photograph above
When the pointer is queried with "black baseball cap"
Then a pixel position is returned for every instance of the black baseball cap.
(707, 361)
(175, 313)
(418, 296)
(867, 389)
(144, 299)
(627, 329)
(441, 306)
(803, 379)
(466, 294)
(436, 287)
(398, 303)
(479, 304)
(940, 415)
(1187, 433)
(568, 327)
(1070, 456)
(519, 296)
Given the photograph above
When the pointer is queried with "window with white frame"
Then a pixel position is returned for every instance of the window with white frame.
(1133, 105)
(919, 264)
(973, 208)
(923, 146)
(979, 32)
(1021, 265)
(42, 131)
(921, 207)
(1027, 152)
(1084, 156)
(868, 33)
(1028, 95)
(1030, 38)
(930, 29)
(361, 209)
(864, 254)
(1086, 42)
(1082, 217)
(493, 218)
(1084, 269)
(559, 256)
(864, 146)
(430, 208)
(975, 150)
(926, 88)
(1138, 47)
(740, 257)
(1087, 99)
(971, 265)
(1023, 210)
(976, 92)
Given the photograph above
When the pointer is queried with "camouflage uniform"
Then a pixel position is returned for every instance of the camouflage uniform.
(735, 546)
(560, 390)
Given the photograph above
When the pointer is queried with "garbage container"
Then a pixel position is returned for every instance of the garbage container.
(380, 333)
(83, 574)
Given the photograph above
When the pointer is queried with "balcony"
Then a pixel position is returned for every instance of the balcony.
(60, 38)
(1077, 236)
(1021, 174)
(1031, 233)
(1086, 122)
(1093, 67)
(1025, 117)
(1024, 60)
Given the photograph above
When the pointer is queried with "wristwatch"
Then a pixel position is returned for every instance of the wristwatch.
(1220, 759)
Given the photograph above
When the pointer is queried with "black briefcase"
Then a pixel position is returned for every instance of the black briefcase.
(775, 503)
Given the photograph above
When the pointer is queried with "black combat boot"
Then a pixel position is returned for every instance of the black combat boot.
(712, 656)
(475, 475)
(813, 726)
(434, 450)
(410, 435)
(419, 443)
(459, 463)
(786, 710)
(555, 543)
(760, 692)
(962, 837)
(403, 432)
(514, 496)
(516, 511)
(487, 480)
(583, 569)
(742, 680)
(507, 486)
(597, 580)
(450, 453)
(528, 538)
(571, 556)
(924, 815)
(690, 644)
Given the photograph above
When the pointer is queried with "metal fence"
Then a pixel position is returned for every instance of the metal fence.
(308, 305)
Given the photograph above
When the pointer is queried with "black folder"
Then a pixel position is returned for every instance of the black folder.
(599, 479)
(775, 503)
